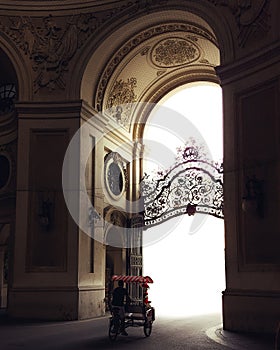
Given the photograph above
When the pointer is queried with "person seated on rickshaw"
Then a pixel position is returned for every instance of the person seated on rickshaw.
(119, 295)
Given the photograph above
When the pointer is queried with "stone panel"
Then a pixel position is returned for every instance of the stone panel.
(47, 216)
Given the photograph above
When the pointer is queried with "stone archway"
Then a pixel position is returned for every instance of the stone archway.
(72, 64)
(10, 80)
(102, 83)
(162, 53)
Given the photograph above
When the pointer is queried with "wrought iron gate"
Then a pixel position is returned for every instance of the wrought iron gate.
(193, 184)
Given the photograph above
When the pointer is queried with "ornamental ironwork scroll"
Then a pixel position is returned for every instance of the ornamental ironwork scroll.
(193, 185)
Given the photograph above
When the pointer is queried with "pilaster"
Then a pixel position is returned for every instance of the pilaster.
(49, 279)
(251, 89)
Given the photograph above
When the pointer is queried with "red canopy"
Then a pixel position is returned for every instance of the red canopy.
(131, 279)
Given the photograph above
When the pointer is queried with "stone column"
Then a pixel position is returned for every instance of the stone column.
(251, 301)
(92, 252)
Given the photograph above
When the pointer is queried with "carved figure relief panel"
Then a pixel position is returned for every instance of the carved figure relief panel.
(49, 43)
(251, 17)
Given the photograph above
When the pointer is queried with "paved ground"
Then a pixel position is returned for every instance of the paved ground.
(201, 332)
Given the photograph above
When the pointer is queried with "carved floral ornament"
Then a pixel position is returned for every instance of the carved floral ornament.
(174, 52)
(121, 98)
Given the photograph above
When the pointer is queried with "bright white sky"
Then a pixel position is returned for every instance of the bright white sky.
(185, 256)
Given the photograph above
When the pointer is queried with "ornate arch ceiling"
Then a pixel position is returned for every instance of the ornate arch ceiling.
(154, 62)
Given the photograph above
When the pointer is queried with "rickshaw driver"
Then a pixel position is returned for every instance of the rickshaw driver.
(119, 294)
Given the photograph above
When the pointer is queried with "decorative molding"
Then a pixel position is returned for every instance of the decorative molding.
(138, 40)
(250, 64)
(121, 98)
(174, 52)
(251, 17)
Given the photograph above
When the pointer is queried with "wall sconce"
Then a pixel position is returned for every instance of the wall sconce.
(45, 214)
(254, 199)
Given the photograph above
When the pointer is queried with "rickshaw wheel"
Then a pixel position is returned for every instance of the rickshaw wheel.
(148, 328)
(114, 329)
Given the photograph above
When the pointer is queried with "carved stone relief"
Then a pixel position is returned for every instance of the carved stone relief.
(174, 52)
(251, 16)
(50, 42)
(122, 96)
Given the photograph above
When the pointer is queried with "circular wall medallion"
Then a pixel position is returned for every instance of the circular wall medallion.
(114, 175)
(174, 52)
(5, 170)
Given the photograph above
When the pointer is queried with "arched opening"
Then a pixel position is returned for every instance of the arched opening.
(162, 54)
(189, 252)
(8, 152)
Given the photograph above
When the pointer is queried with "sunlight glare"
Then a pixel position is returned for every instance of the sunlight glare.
(188, 270)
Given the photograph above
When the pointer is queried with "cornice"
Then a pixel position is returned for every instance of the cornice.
(94, 118)
(249, 65)
(39, 110)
